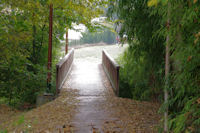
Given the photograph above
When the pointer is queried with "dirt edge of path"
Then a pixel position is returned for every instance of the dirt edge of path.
(54, 116)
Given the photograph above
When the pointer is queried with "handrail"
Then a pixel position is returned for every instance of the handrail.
(62, 69)
(111, 69)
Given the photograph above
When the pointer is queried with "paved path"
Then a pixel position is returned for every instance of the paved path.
(97, 109)
(86, 77)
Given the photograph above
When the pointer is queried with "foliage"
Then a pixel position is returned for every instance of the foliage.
(185, 63)
(3, 131)
(24, 42)
(21, 75)
(145, 27)
(141, 66)
(104, 35)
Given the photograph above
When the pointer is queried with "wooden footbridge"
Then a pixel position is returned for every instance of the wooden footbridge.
(86, 77)
(109, 65)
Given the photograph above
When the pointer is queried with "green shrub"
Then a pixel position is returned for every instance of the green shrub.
(136, 79)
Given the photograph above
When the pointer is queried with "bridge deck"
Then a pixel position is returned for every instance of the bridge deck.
(87, 104)
(99, 110)
(89, 79)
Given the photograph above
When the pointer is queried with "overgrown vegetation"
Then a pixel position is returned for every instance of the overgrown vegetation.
(143, 68)
(24, 29)
(24, 43)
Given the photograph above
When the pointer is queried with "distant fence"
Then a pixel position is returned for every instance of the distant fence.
(62, 69)
(111, 69)
(74, 42)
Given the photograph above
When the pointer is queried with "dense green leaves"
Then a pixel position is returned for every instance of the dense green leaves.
(186, 62)
(142, 67)
(24, 26)
(144, 23)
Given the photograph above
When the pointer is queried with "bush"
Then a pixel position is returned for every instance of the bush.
(18, 85)
(136, 79)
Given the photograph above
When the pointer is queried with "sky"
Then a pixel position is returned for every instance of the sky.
(73, 34)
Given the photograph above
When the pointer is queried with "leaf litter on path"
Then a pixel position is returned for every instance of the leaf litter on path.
(54, 116)
(131, 116)
(126, 115)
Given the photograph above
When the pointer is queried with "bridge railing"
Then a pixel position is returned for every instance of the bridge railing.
(111, 69)
(62, 69)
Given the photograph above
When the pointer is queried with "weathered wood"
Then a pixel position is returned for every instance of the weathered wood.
(111, 69)
(62, 69)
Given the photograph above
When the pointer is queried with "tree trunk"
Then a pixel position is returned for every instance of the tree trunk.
(34, 41)
(167, 69)
(34, 38)
(34, 44)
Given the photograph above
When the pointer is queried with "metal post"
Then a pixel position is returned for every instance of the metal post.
(50, 46)
(66, 46)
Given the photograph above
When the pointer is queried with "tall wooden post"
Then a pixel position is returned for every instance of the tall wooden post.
(167, 70)
(67, 41)
(50, 46)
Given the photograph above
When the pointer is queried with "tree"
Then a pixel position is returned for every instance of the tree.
(182, 52)
(80, 12)
(24, 42)
(144, 67)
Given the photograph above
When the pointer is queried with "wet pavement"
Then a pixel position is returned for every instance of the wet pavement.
(86, 77)
(87, 104)
(98, 109)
